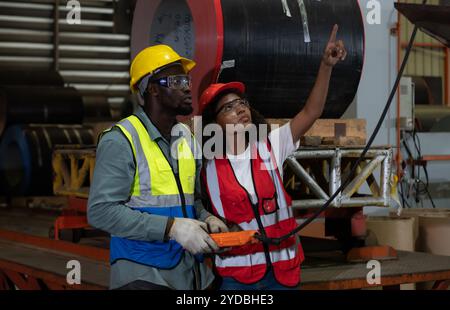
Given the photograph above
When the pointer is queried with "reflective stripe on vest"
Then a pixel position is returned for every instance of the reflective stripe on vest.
(155, 190)
(248, 264)
(257, 258)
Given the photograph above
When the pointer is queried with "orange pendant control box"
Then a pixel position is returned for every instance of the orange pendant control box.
(231, 239)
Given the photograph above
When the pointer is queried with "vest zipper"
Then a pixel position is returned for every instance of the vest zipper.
(180, 190)
(255, 212)
(258, 219)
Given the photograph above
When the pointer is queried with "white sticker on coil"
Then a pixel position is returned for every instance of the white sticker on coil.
(286, 9)
(304, 15)
(228, 64)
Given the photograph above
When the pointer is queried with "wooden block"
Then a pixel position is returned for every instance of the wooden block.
(343, 141)
(340, 130)
(350, 141)
(310, 141)
(328, 141)
(339, 127)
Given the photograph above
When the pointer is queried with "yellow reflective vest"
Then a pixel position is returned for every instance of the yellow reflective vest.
(156, 189)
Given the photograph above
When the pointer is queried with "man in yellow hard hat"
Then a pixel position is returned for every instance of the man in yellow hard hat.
(145, 189)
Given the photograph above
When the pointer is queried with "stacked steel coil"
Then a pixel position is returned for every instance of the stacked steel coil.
(274, 47)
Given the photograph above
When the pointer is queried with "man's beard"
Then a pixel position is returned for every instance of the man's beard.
(184, 110)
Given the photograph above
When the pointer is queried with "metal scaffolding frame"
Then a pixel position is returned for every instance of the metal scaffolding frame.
(321, 168)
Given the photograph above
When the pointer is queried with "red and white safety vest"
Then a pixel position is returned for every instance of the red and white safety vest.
(272, 214)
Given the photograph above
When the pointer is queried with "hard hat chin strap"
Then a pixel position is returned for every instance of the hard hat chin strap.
(142, 87)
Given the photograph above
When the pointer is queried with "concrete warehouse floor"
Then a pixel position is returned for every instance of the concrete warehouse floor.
(37, 223)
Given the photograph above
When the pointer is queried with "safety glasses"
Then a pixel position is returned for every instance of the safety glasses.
(174, 81)
(229, 107)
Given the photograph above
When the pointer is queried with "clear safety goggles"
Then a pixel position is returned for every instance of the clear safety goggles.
(233, 105)
(174, 81)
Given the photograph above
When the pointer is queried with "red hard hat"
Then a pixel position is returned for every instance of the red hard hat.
(214, 90)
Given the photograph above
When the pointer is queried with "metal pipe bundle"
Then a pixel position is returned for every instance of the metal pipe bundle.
(40, 104)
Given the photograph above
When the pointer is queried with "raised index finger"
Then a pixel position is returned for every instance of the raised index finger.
(334, 34)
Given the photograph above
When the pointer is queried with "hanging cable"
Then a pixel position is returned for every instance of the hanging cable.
(425, 190)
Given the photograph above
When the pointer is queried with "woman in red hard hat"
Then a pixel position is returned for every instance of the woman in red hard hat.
(243, 185)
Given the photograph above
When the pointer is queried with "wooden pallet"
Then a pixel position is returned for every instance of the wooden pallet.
(332, 132)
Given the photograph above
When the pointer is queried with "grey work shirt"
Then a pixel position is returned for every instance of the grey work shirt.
(113, 177)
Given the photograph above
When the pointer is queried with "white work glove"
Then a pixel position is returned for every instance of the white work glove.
(192, 235)
(215, 225)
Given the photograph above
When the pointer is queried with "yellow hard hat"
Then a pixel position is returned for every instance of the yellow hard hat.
(153, 58)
